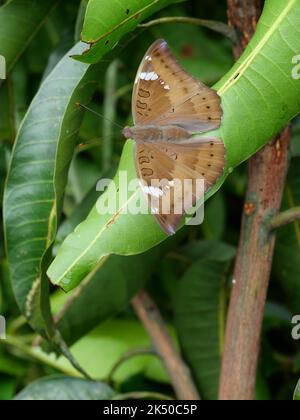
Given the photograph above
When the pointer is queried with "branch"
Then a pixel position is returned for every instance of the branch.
(179, 373)
(284, 218)
(267, 172)
(128, 355)
(25, 351)
(216, 26)
(243, 16)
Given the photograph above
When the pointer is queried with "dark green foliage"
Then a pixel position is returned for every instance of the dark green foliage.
(52, 154)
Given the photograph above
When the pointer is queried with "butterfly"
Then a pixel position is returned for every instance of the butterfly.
(169, 106)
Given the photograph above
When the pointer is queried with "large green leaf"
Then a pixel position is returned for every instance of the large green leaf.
(200, 321)
(100, 294)
(208, 249)
(63, 388)
(37, 177)
(106, 22)
(259, 96)
(287, 252)
(20, 20)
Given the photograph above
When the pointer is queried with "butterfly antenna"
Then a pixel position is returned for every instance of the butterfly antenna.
(80, 105)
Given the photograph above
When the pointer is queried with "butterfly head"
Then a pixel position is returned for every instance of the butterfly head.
(128, 132)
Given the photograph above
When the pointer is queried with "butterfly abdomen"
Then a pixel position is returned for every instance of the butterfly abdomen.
(174, 133)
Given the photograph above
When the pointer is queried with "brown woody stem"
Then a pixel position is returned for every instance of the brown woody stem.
(267, 173)
(267, 170)
(179, 373)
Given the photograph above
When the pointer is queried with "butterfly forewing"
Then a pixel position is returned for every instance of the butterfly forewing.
(164, 94)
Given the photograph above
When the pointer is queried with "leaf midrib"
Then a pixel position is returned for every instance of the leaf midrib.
(85, 251)
(119, 25)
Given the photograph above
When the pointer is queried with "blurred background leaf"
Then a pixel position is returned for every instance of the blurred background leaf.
(200, 315)
(65, 388)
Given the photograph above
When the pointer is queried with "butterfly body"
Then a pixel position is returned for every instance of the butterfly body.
(154, 133)
(170, 111)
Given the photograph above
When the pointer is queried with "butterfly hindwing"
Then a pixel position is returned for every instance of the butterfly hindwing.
(161, 164)
(165, 94)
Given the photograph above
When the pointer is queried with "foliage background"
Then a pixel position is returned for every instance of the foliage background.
(189, 276)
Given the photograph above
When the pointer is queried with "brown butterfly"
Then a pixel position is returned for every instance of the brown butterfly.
(169, 106)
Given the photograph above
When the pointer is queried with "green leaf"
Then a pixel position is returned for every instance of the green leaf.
(7, 388)
(20, 21)
(6, 123)
(286, 264)
(200, 322)
(63, 388)
(207, 64)
(259, 96)
(214, 223)
(208, 249)
(11, 365)
(106, 22)
(37, 178)
(80, 18)
(79, 260)
(297, 392)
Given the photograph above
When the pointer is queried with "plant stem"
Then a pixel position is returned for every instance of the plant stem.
(284, 218)
(35, 354)
(179, 373)
(267, 173)
(128, 355)
(216, 26)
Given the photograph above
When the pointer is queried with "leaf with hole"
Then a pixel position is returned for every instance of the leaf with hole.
(123, 17)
